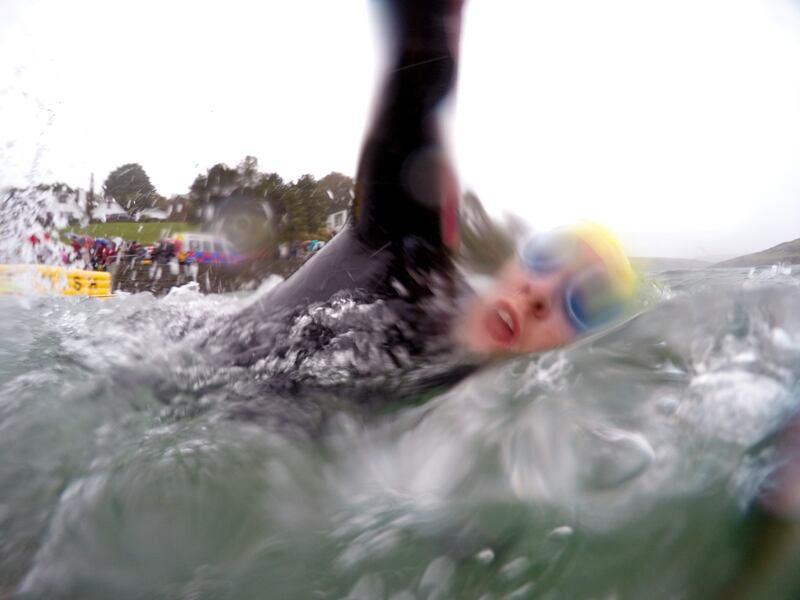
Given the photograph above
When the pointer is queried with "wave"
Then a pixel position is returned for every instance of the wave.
(620, 466)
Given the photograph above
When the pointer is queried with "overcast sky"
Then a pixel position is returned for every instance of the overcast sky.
(675, 122)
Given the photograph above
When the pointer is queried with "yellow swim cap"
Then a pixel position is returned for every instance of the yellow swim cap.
(608, 248)
(594, 294)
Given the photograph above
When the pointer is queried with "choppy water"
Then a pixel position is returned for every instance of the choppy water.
(621, 467)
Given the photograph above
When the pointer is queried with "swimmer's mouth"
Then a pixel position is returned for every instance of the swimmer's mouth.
(502, 324)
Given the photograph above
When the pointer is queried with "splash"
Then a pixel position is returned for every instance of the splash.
(31, 220)
(618, 467)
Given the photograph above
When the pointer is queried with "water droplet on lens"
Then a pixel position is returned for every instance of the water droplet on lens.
(485, 556)
(560, 533)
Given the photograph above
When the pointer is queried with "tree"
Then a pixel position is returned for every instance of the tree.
(130, 187)
(296, 210)
(219, 181)
(178, 207)
(340, 190)
(247, 170)
(315, 203)
(270, 187)
(239, 194)
(295, 223)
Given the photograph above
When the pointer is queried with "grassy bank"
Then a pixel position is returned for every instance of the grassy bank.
(144, 233)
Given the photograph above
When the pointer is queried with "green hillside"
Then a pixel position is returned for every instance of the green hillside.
(144, 233)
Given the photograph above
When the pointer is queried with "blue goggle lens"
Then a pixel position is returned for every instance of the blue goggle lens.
(591, 299)
(548, 253)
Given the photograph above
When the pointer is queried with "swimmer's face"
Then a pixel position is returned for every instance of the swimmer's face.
(532, 306)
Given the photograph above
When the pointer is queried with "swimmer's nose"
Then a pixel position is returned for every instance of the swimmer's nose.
(538, 299)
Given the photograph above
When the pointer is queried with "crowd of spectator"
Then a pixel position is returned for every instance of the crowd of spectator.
(99, 253)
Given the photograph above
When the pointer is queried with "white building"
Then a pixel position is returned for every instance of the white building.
(336, 221)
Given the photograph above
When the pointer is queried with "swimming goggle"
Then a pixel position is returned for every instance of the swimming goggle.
(592, 297)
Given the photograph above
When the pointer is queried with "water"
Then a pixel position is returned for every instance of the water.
(133, 464)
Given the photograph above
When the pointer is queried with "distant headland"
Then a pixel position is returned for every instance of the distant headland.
(787, 252)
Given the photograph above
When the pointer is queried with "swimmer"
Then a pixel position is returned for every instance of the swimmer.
(563, 284)
(400, 247)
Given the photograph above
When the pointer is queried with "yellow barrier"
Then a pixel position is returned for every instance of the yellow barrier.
(46, 279)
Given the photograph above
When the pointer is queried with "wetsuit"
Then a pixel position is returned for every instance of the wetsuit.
(379, 300)
(404, 212)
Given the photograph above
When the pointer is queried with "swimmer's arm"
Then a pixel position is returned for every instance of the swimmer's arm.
(405, 185)
(404, 210)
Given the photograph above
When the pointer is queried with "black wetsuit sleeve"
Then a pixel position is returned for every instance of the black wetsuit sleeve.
(406, 195)
(404, 184)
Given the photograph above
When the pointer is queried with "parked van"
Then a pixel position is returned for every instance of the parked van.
(205, 248)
